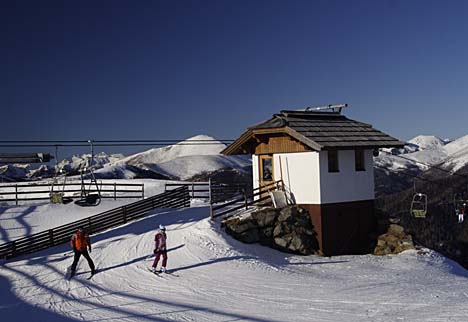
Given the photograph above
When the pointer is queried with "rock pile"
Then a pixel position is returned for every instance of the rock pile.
(288, 229)
(394, 241)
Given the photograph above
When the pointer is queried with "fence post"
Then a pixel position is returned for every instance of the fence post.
(124, 213)
(51, 237)
(13, 248)
(90, 227)
(142, 191)
(209, 199)
(193, 190)
(209, 191)
(115, 190)
(245, 199)
(16, 194)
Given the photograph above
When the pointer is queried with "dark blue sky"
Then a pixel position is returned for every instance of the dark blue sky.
(112, 70)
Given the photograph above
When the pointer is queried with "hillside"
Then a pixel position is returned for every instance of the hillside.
(184, 160)
(423, 156)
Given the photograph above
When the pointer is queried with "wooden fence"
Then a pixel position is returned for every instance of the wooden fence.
(214, 192)
(177, 198)
(38, 191)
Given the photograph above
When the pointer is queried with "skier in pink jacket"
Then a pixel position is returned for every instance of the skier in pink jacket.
(160, 248)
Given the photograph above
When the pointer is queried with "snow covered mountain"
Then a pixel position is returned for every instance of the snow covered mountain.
(424, 152)
(182, 161)
(23, 172)
(396, 168)
(427, 142)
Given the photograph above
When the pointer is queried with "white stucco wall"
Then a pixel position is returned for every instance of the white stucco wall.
(347, 184)
(306, 176)
(300, 174)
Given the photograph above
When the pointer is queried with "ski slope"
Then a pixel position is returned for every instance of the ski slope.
(216, 278)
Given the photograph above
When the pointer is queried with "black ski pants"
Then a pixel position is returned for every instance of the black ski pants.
(77, 258)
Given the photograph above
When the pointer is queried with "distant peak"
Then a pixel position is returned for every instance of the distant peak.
(427, 142)
(201, 137)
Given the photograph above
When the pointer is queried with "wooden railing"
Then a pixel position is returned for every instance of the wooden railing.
(246, 199)
(199, 190)
(41, 191)
(177, 198)
(214, 192)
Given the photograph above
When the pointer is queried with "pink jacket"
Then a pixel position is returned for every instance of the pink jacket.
(160, 241)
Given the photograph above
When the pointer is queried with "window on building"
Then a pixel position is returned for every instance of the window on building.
(359, 160)
(333, 161)
(267, 169)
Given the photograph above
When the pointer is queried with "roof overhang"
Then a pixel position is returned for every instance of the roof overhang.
(243, 146)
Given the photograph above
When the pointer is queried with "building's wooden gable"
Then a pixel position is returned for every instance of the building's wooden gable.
(278, 143)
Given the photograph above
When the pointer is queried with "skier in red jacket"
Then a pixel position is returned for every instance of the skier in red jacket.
(160, 248)
(80, 242)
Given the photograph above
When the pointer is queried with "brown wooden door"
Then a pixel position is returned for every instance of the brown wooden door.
(266, 169)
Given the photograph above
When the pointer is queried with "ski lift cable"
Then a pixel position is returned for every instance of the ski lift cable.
(429, 167)
(182, 143)
(111, 141)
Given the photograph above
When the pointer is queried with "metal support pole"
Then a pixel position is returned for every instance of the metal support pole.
(16, 194)
(115, 191)
(92, 153)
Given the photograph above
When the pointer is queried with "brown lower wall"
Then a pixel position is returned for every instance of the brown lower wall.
(343, 228)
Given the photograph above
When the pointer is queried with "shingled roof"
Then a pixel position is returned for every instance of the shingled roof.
(319, 131)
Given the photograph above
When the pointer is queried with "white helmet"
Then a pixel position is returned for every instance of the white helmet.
(161, 227)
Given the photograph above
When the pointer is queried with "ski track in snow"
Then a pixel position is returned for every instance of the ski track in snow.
(217, 278)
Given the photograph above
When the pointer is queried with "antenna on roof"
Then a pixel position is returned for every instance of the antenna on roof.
(335, 108)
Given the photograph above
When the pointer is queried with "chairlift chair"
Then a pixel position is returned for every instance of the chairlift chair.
(89, 198)
(57, 195)
(460, 202)
(419, 205)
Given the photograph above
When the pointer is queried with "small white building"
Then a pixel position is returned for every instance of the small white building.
(325, 161)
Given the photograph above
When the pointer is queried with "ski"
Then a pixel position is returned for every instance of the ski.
(169, 273)
(155, 273)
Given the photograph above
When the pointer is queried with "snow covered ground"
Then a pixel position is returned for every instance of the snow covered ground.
(216, 278)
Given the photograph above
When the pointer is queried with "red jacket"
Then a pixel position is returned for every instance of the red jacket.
(80, 241)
